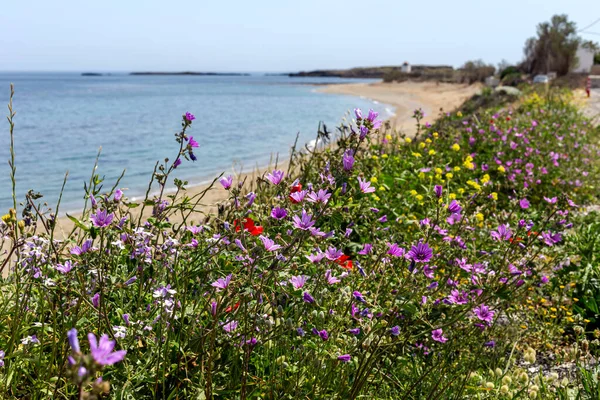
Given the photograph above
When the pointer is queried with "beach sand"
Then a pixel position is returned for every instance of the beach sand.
(404, 97)
(408, 96)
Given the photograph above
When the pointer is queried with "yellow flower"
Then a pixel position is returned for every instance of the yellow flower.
(407, 140)
(449, 175)
(421, 175)
(375, 157)
(428, 140)
(376, 198)
(439, 171)
(455, 147)
(431, 152)
(384, 156)
(416, 154)
(501, 169)
(435, 134)
(479, 217)
(485, 179)
(461, 190)
(388, 137)
(413, 192)
(421, 145)
(381, 189)
(6, 218)
(459, 114)
(374, 179)
(494, 195)
(452, 196)
(420, 197)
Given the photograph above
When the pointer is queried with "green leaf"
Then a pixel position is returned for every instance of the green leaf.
(78, 223)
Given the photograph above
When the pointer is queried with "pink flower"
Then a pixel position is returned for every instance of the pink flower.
(269, 244)
(438, 336)
(276, 177)
(524, 203)
(102, 352)
(221, 283)
(230, 326)
(365, 186)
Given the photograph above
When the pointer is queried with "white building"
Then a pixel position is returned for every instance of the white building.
(585, 58)
(405, 68)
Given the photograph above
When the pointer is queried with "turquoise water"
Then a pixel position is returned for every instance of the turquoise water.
(63, 119)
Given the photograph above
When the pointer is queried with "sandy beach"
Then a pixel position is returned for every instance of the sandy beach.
(404, 97)
(407, 96)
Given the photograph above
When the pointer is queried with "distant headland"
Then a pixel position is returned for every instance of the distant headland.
(372, 72)
(191, 73)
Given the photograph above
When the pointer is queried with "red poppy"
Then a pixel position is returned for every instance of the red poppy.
(518, 239)
(235, 307)
(295, 189)
(508, 118)
(249, 226)
(345, 262)
(531, 233)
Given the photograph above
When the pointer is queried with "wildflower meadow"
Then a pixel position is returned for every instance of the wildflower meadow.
(461, 262)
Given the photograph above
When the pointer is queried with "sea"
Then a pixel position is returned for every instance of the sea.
(64, 119)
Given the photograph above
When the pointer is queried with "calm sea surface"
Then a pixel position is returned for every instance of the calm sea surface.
(64, 118)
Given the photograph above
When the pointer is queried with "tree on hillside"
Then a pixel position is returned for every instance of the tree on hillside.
(475, 71)
(554, 48)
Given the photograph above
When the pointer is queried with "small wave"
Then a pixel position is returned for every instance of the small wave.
(390, 112)
(375, 102)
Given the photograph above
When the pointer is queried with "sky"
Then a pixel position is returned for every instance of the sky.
(269, 35)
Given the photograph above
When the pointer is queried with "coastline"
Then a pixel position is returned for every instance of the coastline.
(408, 96)
(405, 97)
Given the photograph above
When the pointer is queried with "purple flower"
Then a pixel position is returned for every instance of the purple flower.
(490, 344)
(367, 247)
(118, 195)
(395, 250)
(395, 331)
(345, 358)
(438, 191)
(348, 160)
(324, 334)
(333, 254)
(298, 281)
(177, 162)
(250, 196)
(226, 182)
(85, 247)
(103, 352)
(192, 142)
(276, 177)
(358, 296)
(365, 186)
(102, 219)
(438, 336)
(373, 118)
(503, 233)
(278, 213)
(321, 196)
(64, 268)
(308, 298)
(96, 300)
(330, 278)
(230, 326)
(358, 113)
(524, 203)
(354, 331)
(484, 313)
(73, 340)
(454, 207)
(298, 197)
(221, 283)
(551, 200)
(315, 258)
(305, 222)
(420, 253)
(269, 244)
(189, 117)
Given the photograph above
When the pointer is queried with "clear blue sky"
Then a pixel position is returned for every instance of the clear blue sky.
(269, 35)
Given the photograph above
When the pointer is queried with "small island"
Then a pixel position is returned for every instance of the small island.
(91, 74)
(192, 73)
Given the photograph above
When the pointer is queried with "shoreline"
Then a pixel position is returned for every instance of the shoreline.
(404, 97)
(408, 96)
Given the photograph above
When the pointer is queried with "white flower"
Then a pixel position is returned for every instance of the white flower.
(120, 331)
